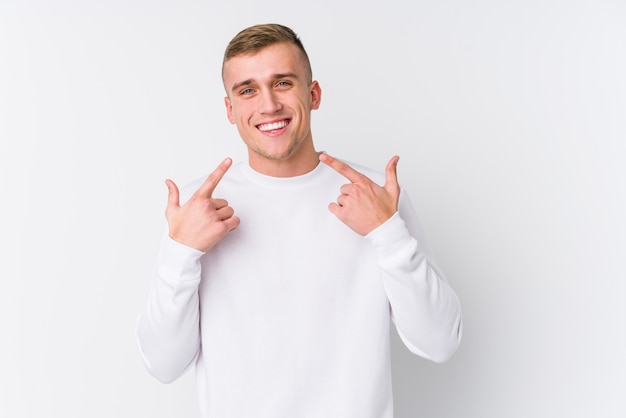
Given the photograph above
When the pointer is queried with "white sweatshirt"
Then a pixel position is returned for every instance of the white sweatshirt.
(288, 315)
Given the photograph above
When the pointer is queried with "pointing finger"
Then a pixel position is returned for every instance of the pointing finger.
(214, 178)
(342, 168)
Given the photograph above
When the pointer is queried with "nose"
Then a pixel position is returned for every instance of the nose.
(269, 103)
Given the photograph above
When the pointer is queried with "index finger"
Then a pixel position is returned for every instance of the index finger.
(214, 178)
(343, 168)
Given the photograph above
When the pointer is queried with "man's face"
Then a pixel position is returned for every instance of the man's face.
(270, 100)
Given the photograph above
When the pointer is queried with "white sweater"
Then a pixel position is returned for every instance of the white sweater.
(288, 315)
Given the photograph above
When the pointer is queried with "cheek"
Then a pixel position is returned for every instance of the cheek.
(241, 112)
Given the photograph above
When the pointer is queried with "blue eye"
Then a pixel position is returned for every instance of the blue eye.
(283, 83)
(247, 91)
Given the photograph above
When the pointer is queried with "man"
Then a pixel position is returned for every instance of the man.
(282, 295)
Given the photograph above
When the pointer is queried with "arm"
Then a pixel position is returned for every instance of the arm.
(424, 307)
(168, 330)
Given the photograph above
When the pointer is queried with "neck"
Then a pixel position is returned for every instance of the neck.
(301, 162)
(285, 167)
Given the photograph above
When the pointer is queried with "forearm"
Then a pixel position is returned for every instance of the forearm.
(168, 328)
(425, 309)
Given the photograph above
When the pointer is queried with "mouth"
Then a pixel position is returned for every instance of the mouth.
(273, 127)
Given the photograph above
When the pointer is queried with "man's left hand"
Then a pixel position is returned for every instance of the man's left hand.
(364, 205)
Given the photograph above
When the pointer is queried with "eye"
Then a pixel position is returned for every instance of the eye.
(283, 83)
(247, 91)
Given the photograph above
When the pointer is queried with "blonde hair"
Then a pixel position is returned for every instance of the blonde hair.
(253, 39)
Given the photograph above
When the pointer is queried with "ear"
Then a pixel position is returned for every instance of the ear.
(316, 95)
(229, 110)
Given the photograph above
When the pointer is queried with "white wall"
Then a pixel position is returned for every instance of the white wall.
(510, 121)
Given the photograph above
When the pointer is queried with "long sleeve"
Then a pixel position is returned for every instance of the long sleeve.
(168, 329)
(425, 309)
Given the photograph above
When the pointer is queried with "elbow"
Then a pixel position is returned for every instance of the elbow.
(165, 358)
(166, 372)
(163, 375)
(159, 362)
(438, 346)
(447, 344)
(442, 355)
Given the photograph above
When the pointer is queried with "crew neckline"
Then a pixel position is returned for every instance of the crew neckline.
(270, 181)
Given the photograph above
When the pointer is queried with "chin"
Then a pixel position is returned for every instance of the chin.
(277, 155)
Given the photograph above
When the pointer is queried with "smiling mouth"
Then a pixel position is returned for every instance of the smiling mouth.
(273, 126)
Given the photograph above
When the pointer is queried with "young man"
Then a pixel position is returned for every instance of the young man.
(278, 291)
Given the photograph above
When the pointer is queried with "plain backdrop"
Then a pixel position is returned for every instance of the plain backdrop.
(510, 120)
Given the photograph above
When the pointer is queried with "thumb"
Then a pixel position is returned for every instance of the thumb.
(173, 199)
(391, 179)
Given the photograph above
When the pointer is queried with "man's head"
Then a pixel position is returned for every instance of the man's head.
(255, 38)
(270, 96)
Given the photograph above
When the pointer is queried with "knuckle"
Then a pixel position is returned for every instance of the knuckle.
(221, 228)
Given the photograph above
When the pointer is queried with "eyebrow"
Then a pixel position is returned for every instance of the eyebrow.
(252, 80)
(241, 84)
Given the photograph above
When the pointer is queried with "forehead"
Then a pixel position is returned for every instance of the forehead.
(280, 58)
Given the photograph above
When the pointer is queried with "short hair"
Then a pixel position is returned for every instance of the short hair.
(254, 38)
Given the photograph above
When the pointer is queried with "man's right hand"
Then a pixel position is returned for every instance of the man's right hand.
(202, 221)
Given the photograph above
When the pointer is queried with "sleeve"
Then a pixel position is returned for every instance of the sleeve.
(425, 309)
(168, 329)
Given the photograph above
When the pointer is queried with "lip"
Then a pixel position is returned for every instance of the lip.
(281, 125)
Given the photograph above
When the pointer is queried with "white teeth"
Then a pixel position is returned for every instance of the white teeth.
(273, 126)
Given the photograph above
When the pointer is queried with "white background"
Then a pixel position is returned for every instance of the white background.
(509, 118)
